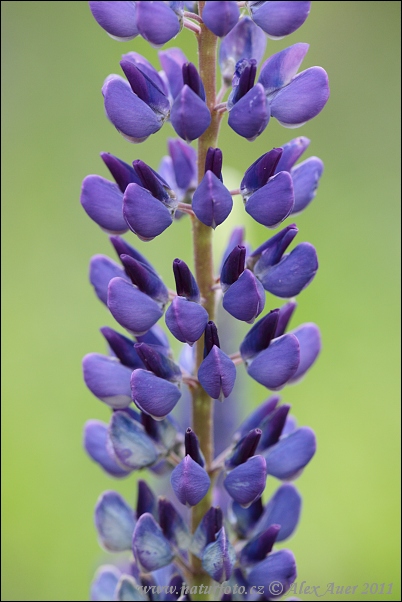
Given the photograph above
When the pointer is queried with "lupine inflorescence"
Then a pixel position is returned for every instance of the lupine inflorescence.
(211, 526)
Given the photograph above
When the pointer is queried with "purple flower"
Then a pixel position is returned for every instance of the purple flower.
(217, 373)
(96, 446)
(279, 19)
(159, 22)
(278, 570)
(190, 115)
(150, 547)
(190, 481)
(219, 558)
(244, 41)
(119, 19)
(115, 522)
(212, 202)
(246, 483)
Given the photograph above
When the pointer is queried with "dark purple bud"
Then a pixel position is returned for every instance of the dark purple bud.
(306, 177)
(292, 151)
(244, 449)
(258, 174)
(245, 519)
(189, 115)
(236, 239)
(106, 577)
(152, 181)
(103, 202)
(146, 89)
(172, 525)
(165, 394)
(259, 547)
(213, 161)
(276, 573)
(260, 336)
(275, 366)
(184, 160)
(271, 204)
(233, 267)
(246, 483)
(123, 248)
(285, 315)
(220, 17)
(172, 61)
(131, 444)
(245, 41)
(119, 19)
(122, 347)
(279, 19)
(272, 426)
(157, 22)
(291, 454)
(186, 285)
(254, 420)
(309, 338)
(95, 444)
(101, 271)
(245, 299)
(243, 80)
(282, 509)
(219, 558)
(192, 447)
(292, 274)
(211, 337)
(123, 173)
(130, 115)
(107, 379)
(212, 201)
(147, 69)
(158, 362)
(192, 79)
(145, 279)
(272, 250)
(186, 320)
(146, 501)
(151, 549)
(206, 531)
(190, 482)
(250, 115)
(131, 308)
(115, 522)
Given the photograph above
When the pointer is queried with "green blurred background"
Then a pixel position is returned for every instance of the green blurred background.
(55, 58)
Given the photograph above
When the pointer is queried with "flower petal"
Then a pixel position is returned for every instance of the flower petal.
(280, 69)
(220, 17)
(173, 526)
(217, 374)
(244, 41)
(272, 203)
(190, 482)
(117, 18)
(309, 338)
(128, 590)
(274, 574)
(156, 22)
(131, 308)
(292, 274)
(131, 444)
(219, 558)
(245, 299)
(254, 420)
(103, 202)
(151, 549)
(291, 454)
(186, 320)
(95, 440)
(115, 522)
(105, 581)
(279, 19)
(101, 271)
(128, 113)
(145, 215)
(107, 379)
(282, 509)
(291, 152)
(189, 115)
(153, 395)
(122, 347)
(250, 115)
(172, 61)
(273, 367)
(306, 177)
(212, 202)
(246, 483)
(303, 99)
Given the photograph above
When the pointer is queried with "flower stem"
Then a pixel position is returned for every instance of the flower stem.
(204, 271)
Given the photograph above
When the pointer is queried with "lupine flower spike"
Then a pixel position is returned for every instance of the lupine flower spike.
(202, 518)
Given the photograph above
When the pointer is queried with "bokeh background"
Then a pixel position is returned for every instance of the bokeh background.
(54, 60)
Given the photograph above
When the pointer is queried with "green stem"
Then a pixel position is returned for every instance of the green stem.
(204, 271)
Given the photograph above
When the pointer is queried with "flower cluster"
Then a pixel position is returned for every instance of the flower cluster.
(210, 523)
